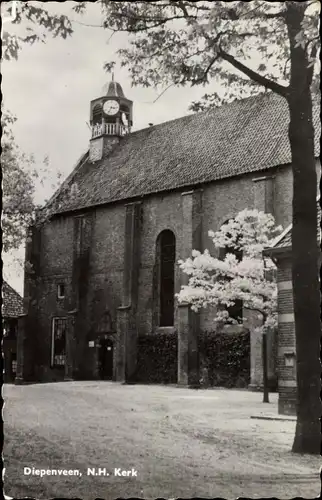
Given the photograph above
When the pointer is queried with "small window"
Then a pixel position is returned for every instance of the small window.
(97, 114)
(74, 189)
(58, 342)
(61, 291)
(270, 274)
(14, 364)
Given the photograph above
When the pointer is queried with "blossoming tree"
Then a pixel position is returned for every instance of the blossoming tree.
(247, 277)
(18, 188)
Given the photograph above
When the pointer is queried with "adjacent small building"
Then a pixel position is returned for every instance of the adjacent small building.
(12, 311)
(281, 252)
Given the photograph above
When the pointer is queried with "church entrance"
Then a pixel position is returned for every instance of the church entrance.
(105, 358)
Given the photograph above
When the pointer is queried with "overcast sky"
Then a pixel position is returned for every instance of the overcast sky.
(51, 85)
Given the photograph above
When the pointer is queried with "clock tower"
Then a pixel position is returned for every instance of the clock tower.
(110, 119)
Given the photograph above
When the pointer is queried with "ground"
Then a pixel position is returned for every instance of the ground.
(182, 442)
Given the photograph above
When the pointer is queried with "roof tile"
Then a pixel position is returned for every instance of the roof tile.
(286, 240)
(245, 136)
(12, 302)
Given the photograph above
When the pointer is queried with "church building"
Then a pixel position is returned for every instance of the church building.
(104, 260)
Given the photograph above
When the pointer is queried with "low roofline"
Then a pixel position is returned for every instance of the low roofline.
(15, 316)
(281, 236)
(277, 251)
(80, 162)
(18, 305)
(274, 249)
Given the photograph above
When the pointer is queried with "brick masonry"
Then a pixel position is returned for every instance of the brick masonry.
(189, 217)
(127, 313)
(286, 359)
(189, 321)
(101, 146)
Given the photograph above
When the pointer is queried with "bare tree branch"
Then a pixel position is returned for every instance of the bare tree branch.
(203, 78)
(253, 75)
(182, 6)
(163, 92)
(87, 24)
(156, 22)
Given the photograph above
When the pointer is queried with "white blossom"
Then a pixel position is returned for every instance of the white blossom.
(219, 283)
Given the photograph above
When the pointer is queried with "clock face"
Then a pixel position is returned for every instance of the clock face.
(111, 107)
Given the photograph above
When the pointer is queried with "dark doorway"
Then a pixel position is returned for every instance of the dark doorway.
(167, 262)
(105, 359)
(9, 327)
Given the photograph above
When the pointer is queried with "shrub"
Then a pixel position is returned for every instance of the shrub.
(226, 357)
(157, 359)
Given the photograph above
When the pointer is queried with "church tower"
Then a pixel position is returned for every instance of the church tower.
(110, 119)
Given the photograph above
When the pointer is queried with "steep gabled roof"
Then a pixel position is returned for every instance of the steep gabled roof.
(12, 302)
(248, 135)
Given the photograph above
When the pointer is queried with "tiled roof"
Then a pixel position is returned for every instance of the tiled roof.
(284, 240)
(248, 135)
(12, 302)
(113, 89)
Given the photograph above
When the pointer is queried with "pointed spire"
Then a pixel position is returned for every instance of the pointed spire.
(113, 76)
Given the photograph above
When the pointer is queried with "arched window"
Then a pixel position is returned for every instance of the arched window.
(166, 250)
(97, 114)
(236, 310)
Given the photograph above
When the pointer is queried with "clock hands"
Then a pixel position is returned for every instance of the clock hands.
(111, 107)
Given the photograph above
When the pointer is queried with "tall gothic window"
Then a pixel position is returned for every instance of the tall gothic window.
(236, 310)
(58, 342)
(97, 114)
(167, 254)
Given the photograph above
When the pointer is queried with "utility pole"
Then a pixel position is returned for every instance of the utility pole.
(265, 377)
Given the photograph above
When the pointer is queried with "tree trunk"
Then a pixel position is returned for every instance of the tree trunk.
(305, 251)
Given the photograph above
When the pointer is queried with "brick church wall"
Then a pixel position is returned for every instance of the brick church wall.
(223, 201)
(56, 267)
(159, 213)
(107, 254)
(220, 201)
